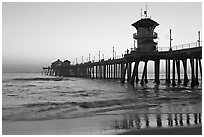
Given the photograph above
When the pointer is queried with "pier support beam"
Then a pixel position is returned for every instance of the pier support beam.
(129, 71)
(109, 71)
(192, 72)
(93, 72)
(185, 83)
(101, 73)
(200, 65)
(156, 70)
(135, 72)
(143, 74)
(137, 77)
(90, 72)
(116, 71)
(166, 64)
(196, 79)
(104, 71)
(124, 68)
(178, 70)
(185, 72)
(119, 71)
(173, 71)
(168, 71)
(96, 71)
(146, 81)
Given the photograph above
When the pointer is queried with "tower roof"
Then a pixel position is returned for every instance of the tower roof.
(145, 23)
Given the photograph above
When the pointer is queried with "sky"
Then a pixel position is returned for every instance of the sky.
(35, 34)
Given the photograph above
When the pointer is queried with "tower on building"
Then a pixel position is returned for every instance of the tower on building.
(145, 35)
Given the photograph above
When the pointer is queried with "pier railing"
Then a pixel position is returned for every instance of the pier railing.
(180, 47)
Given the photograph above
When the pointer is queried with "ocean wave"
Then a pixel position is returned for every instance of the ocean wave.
(39, 79)
(61, 110)
(167, 98)
(10, 85)
(11, 95)
(94, 104)
(29, 85)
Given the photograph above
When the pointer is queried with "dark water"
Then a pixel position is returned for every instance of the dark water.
(31, 97)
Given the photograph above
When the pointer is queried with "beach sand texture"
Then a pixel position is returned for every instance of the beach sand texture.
(97, 125)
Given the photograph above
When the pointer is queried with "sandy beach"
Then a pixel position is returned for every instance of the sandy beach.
(80, 126)
(97, 125)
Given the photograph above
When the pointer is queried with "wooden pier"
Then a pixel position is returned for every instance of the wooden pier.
(126, 68)
(120, 68)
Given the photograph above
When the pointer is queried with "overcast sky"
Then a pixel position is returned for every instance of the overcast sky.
(36, 34)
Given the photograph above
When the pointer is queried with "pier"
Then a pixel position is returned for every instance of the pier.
(126, 68)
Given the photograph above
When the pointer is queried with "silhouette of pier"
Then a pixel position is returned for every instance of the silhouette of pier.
(126, 68)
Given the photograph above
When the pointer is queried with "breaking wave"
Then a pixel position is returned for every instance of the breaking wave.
(39, 79)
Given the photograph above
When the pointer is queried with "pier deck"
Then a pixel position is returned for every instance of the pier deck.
(121, 68)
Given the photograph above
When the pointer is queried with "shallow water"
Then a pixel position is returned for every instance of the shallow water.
(30, 96)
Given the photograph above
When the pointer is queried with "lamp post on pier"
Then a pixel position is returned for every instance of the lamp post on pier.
(198, 38)
(99, 55)
(170, 49)
(113, 52)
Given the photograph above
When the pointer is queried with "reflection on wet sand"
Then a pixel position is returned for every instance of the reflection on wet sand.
(170, 121)
(146, 120)
(157, 120)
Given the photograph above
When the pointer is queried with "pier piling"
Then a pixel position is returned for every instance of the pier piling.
(192, 72)
(135, 72)
(178, 70)
(173, 72)
(143, 74)
(157, 67)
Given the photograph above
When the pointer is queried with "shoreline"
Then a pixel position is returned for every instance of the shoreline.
(96, 125)
(192, 130)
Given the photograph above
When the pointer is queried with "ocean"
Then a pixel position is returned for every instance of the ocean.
(33, 97)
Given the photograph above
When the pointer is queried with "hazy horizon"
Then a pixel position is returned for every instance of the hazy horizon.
(35, 34)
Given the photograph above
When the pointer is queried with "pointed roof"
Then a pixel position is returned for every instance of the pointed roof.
(57, 62)
(145, 23)
(67, 61)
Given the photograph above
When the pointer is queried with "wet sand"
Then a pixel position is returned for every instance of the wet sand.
(97, 125)
(77, 126)
(194, 130)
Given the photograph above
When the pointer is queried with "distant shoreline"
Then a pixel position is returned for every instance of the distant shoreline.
(21, 72)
